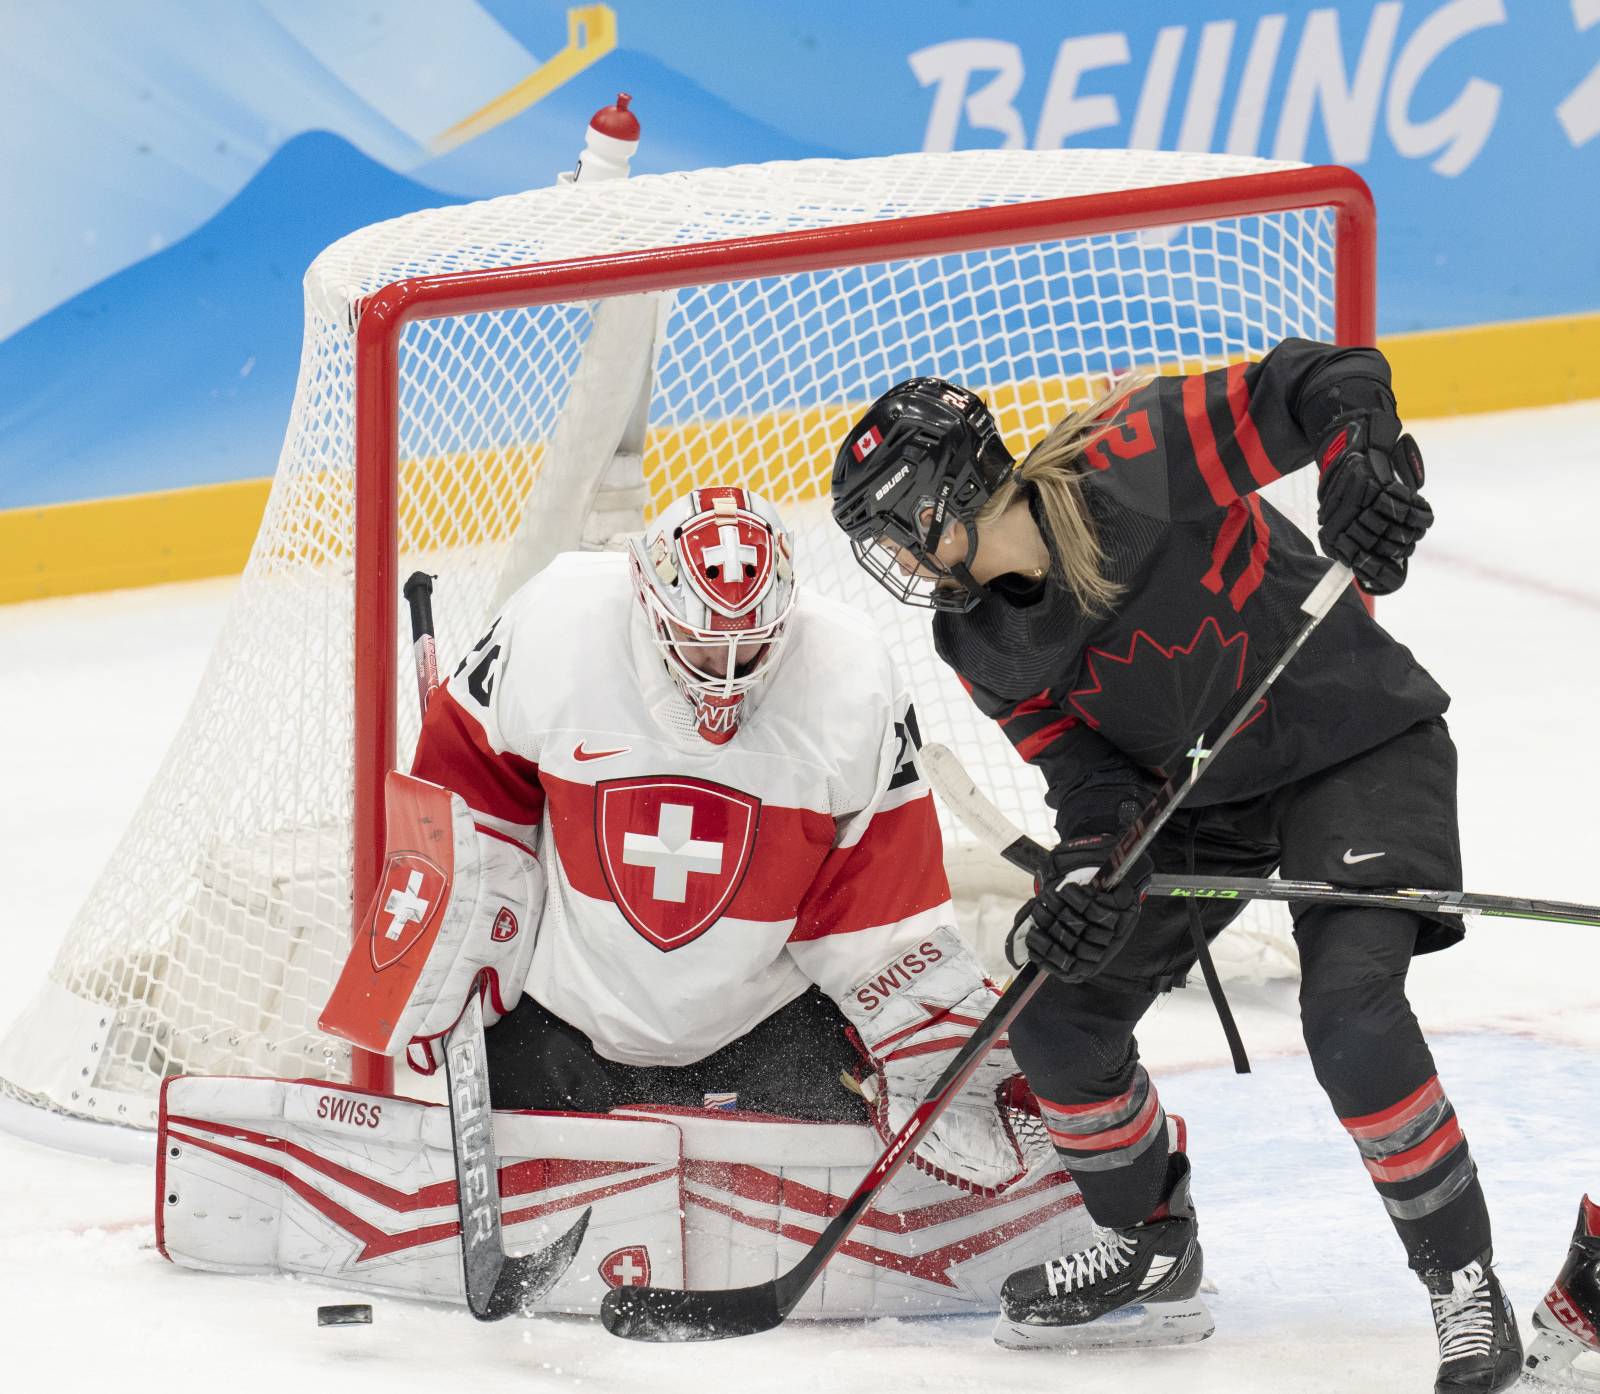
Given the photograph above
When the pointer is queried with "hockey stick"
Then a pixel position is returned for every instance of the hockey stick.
(672, 1314)
(977, 812)
(498, 1284)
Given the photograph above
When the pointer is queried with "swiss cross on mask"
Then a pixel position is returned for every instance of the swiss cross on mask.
(728, 559)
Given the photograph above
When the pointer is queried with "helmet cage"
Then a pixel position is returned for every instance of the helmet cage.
(926, 444)
(883, 543)
(714, 576)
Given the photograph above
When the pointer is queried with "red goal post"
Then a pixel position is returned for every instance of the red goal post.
(383, 317)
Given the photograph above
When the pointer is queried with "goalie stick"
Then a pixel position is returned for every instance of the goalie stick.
(977, 812)
(673, 1314)
(498, 1284)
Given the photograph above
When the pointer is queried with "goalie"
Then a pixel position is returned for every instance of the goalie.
(696, 869)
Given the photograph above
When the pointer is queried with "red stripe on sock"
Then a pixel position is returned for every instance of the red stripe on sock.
(1415, 1160)
(1375, 1125)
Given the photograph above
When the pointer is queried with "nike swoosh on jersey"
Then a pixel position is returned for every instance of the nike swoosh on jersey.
(579, 753)
(1351, 857)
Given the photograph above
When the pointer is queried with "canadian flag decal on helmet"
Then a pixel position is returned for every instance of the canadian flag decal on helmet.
(864, 444)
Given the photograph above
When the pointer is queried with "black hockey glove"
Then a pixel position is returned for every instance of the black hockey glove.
(1075, 931)
(1369, 513)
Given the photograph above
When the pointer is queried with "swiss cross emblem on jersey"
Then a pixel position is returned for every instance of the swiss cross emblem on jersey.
(673, 851)
(728, 559)
(410, 899)
(626, 1268)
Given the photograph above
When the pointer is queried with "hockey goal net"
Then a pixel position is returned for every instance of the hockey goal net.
(484, 385)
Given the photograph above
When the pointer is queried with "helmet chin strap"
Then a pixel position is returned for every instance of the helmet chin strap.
(960, 570)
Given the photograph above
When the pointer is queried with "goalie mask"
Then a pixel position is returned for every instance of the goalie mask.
(716, 578)
(926, 454)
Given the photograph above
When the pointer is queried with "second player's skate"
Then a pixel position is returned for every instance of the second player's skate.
(1566, 1351)
(1138, 1286)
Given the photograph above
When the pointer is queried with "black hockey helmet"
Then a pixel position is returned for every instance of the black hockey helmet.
(926, 452)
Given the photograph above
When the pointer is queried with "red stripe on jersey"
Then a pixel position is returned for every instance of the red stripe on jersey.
(1251, 577)
(790, 844)
(1233, 522)
(1040, 701)
(516, 842)
(1415, 1160)
(1370, 1126)
(1244, 428)
(1203, 440)
(1046, 736)
(454, 752)
(894, 871)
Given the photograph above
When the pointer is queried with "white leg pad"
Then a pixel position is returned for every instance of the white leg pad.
(358, 1189)
(759, 1191)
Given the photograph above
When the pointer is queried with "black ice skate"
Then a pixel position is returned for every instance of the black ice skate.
(1566, 1351)
(1138, 1286)
(1480, 1351)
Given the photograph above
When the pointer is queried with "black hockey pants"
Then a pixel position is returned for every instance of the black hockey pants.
(1075, 1042)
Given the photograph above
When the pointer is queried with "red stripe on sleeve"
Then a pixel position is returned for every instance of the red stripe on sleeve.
(1232, 525)
(1251, 577)
(1045, 737)
(1204, 441)
(454, 752)
(1244, 428)
(894, 871)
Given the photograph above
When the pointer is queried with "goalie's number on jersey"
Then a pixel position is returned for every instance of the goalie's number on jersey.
(481, 661)
(905, 760)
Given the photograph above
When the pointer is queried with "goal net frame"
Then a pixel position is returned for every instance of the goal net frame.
(1035, 276)
(384, 316)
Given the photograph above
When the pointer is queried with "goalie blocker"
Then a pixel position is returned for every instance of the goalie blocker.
(457, 907)
(357, 1189)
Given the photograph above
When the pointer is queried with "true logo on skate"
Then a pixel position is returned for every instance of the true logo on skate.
(877, 990)
(673, 851)
(341, 1108)
(627, 1267)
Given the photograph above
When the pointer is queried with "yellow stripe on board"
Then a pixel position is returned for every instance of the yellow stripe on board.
(184, 534)
(137, 540)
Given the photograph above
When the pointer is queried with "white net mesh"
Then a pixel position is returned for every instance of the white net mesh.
(211, 939)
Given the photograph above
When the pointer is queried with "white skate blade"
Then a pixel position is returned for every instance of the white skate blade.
(1152, 1324)
(1559, 1361)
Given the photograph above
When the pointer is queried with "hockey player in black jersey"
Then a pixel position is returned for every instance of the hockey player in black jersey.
(1100, 600)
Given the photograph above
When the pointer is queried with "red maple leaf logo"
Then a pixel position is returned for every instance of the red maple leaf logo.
(1154, 700)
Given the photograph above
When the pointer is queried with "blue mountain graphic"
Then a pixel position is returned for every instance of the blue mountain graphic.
(180, 369)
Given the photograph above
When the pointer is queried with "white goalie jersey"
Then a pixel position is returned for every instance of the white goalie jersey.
(691, 889)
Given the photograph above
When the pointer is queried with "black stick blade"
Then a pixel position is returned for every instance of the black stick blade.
(525, 1278)
(670, 1314)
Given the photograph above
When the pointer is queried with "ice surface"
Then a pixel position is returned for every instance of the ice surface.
(1503, 606)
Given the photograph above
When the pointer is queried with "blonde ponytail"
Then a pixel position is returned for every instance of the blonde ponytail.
(1055, 468)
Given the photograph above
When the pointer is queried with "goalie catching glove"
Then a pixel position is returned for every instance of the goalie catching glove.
(457, 909)
(1370, 515)
(912, 1015)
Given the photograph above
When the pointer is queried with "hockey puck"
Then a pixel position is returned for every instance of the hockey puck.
(349, 1314)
